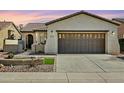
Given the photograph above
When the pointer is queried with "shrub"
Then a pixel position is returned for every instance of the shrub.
(25, 49)
(1, 50)
(33, 62)
(1, 65)
(10, 55)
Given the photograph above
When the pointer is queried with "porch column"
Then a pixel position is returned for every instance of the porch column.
(37, 37)
(51, 42)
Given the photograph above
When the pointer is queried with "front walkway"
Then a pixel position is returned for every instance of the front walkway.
(39, 77)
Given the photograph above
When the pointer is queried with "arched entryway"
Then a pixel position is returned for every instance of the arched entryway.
(29, 41)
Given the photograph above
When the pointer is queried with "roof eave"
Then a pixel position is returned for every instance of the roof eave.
(80, 12)
(118, 20)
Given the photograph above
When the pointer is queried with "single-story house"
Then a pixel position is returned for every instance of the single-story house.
(9, 34)
(77, 33)
(120, 32)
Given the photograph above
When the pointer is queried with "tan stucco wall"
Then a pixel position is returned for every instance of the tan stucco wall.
(24, 36)
(4, 34)
(17, 35)
(11, 42)
(40, 36)
(82, 22)
(37, 37)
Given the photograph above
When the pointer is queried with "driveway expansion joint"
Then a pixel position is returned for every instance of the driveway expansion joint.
(102, 77)
(95, 64)
(67, 77)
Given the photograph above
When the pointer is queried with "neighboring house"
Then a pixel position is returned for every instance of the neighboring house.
(78, 33)
(8, 31)
(120, 31)
(120, 28)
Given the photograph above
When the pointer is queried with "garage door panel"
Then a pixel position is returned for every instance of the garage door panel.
(90, 46)
(79, 43)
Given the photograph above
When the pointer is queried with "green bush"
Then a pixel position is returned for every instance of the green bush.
(1, 50)
(48, 61)
(25, 49)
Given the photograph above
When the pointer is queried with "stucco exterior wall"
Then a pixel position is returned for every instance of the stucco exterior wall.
(37, 37)
(17, 35)
(24, 37)
(40, 36)
(3, 35)
(82, 22)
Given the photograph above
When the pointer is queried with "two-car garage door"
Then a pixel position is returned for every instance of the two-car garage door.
(80, 43)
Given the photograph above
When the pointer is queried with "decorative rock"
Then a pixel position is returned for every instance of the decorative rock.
(27, 68)
(1, 65)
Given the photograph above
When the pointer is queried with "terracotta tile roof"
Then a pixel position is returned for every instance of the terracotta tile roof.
(81, 12)
(121, 20)
(34, 26)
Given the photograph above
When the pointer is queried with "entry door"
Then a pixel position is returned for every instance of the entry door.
(29, 41)
(81, 43)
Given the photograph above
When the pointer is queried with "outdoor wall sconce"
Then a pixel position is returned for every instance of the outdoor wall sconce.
(51, 31)
(52, 35)
(113, 33)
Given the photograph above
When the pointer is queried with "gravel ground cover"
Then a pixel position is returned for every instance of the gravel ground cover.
(27, 68)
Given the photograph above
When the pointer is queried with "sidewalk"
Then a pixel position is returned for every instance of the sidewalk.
(39, 77)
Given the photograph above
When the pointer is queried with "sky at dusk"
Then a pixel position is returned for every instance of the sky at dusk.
(32, 16)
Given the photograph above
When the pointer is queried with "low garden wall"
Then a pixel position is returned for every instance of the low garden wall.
(21, 61)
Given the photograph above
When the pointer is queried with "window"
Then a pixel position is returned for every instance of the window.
(87, 36)
(123, 35)
(59, 35)
(10, 34)
(83, 35)
(95, 36)
(90, 36)
(79, 35)
(63, 36)
(102, 36)
(99, 36)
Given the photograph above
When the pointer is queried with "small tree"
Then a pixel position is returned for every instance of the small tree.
(20, 27)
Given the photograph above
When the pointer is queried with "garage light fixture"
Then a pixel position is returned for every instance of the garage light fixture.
(51, 31)
(113, 33)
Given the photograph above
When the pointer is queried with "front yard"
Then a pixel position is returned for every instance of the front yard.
(27, 65)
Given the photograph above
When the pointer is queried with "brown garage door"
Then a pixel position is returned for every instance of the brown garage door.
(80, 43)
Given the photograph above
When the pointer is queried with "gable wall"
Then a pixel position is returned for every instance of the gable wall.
(4, 34)
(16, 33)
(82, 22)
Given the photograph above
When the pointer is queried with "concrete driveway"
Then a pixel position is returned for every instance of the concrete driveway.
(88, 63)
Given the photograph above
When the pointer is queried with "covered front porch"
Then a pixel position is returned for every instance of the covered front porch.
(35, 41)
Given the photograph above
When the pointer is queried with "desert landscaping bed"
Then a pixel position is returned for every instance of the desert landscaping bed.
(27, 65)
(27, 68)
